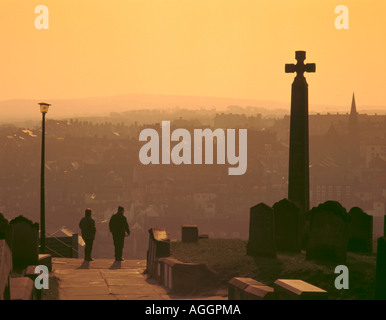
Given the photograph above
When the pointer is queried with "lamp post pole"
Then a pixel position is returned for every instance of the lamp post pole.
(44, 109)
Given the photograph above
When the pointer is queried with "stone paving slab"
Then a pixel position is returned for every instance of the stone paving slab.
(104, 279)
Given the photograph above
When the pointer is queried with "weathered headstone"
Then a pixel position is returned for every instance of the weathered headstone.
(287, 226)
(384, 225)
(360, 231)
(25, 242)
(328, 238)
(5, 230)
(189, 233)
(380, 281)
(261, 232)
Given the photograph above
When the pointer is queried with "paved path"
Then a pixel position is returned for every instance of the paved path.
(104, 279)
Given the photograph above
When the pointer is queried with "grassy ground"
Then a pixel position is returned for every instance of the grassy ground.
(228, 259)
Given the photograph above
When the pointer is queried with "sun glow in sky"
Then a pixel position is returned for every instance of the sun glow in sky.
(221, 48)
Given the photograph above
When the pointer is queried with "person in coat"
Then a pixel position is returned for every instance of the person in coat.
(87, 226)
(119, 228)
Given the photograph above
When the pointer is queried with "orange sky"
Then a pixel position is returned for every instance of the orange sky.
(223, 48)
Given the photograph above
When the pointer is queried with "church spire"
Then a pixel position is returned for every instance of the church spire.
(353, 106)
(353, 135)
(353, 119)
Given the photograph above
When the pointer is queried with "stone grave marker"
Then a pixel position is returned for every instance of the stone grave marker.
(360, 231)
(384, 225)
(5, 230)
(25, 242)
(189, 233)
(237, 285)
(328, 238)
(257, 292)
(380, 281)
(287, 226)
(261, 232)
(293, 289)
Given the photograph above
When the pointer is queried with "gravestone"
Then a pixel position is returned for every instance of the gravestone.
(237, 285)
(261, 232)
(360, 231)
(255, 292)
(186, 278)
(25, 242)
(189, 233)
(287, 226)
(380, 281)
(305, 229)
(384, 225)
(5, 230)
(328, 238)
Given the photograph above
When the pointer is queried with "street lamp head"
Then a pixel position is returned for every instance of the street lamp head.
(44, 107)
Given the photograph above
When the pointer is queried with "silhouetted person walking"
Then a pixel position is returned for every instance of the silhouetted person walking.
(119, 227)
(87, 225)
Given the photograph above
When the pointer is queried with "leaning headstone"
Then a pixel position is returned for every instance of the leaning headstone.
(287, 226)
(25, 242)
(380, 281)
(328, 238)
(189, 233)
(261, 232)
(293, 289)
(360, 231)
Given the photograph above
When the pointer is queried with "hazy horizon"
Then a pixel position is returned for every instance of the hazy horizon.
(27, 109)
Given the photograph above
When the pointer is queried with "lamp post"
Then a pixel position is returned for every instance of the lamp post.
(43, 109)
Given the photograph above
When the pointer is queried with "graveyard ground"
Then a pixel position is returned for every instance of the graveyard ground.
(227, 259)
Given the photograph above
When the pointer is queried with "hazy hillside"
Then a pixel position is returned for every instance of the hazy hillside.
(16, 110)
